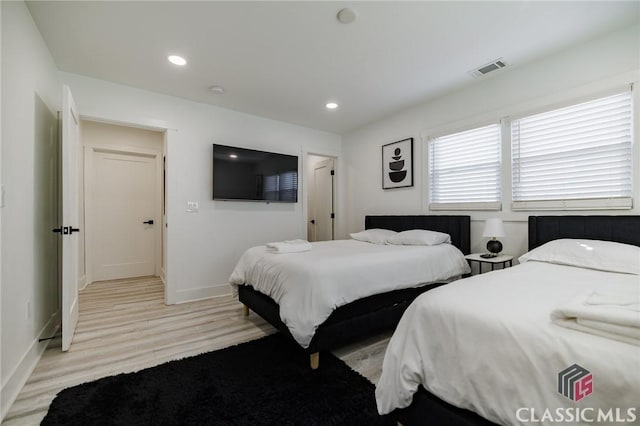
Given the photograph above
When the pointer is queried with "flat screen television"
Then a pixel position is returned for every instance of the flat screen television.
(250, 175)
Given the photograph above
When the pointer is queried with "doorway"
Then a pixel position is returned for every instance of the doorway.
(321, 199)
(123, 199)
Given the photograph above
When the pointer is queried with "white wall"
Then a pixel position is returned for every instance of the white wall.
(105, 134)
(203, 247)
(28, 73)
(608, 62)
(2, 401)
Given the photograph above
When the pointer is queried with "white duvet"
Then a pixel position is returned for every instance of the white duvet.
(487, 344)
(309, 286)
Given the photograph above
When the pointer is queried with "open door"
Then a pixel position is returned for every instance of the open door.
(69, 231)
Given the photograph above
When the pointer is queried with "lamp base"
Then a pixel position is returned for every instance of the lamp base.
(494, 247)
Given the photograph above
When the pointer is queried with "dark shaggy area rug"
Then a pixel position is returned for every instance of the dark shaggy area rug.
(266, 381)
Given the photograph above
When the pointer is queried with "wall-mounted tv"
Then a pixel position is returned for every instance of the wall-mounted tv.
(250, 175)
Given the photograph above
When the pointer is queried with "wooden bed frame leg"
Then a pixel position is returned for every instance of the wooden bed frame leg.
(314, 358)
(245, 310)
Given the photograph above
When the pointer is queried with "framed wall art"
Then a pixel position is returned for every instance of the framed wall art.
(397, 164)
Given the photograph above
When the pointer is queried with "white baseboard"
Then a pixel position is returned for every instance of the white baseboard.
(167, 298)
(16, 380)
(193, 294)
(82, 282)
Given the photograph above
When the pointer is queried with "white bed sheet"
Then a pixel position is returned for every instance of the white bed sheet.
(309, 286)
(487, 344)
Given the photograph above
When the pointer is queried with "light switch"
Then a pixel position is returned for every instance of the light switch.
(192, 206)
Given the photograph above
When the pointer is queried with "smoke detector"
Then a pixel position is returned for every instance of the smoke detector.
(346, 15)
(485, 69)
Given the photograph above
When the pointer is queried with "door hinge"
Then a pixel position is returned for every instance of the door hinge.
(333, 172)
(333, 215)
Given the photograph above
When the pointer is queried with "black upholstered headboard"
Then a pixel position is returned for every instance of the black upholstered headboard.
(621, 229)
(458, 227)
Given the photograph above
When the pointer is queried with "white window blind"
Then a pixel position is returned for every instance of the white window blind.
(288, 186)
(271, 185)
(281, 187)
(464, 170)
(578, 157)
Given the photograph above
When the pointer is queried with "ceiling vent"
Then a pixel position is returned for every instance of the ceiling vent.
(487, 68)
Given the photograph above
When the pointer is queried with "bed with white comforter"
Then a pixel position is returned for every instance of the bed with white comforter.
(495, 343)
(308, 286)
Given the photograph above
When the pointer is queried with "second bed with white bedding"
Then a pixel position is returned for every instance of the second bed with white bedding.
(488, 344)
(309, 286)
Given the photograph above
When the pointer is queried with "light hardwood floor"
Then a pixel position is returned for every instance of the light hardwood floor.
(125, 326)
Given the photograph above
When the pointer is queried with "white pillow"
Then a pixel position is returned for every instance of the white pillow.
(375, 235)
(593, 254)
(419, 237)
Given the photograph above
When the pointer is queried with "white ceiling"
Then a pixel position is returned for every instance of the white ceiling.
(285, 60)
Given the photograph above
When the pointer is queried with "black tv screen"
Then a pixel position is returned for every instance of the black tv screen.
(247, 174)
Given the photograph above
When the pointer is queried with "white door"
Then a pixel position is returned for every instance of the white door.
(123, 209)
(321, 203)
(70, 144)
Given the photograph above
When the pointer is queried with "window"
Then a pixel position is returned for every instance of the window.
(281, 187)
(578, 157)
(271, 188)
(464, 170)
(289, 186)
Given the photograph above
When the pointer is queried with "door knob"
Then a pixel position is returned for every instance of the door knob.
(72, 230)
(148, 222)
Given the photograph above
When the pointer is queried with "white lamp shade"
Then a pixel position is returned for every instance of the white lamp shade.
(493, 228)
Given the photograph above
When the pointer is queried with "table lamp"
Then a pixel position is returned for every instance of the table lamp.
(493, 228)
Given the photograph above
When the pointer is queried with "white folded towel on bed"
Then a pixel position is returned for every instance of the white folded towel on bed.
(289, 246)
(615, 316)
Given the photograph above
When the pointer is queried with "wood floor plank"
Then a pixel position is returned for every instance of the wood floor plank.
(124, 326)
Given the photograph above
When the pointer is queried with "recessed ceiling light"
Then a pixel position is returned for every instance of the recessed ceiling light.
(331, 105)
(177, 60)
(218, 90)
(233, 156)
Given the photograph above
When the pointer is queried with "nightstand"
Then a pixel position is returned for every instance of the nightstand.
(493, 261)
